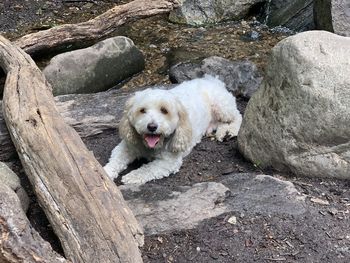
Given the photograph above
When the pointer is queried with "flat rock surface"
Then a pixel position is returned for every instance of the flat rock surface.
(183, 208)
(162, 210)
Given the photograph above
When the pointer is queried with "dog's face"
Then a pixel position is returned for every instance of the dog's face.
(152, 116)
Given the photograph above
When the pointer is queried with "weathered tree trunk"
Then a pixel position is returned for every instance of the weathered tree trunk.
(19, 242)
(84, 207)
(88, 114)
(95, 29)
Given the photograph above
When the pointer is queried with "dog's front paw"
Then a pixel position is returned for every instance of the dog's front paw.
(112, 173)
(134, 178)
(226, 129)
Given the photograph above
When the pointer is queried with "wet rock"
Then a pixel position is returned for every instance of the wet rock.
(194, 12)
(96, 68)
(333, 16)
(162, 210)
(293, 14)
(242, 78)
(9, 178)
(299, 118)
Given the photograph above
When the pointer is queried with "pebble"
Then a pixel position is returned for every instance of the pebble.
(319, 201)
(232, 220)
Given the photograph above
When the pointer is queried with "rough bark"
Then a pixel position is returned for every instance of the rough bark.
(19, 242)
(88, 114)
(63, 36)
(83, 205)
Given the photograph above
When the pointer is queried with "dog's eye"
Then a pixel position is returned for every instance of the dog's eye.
(164, 110)
(143, 110)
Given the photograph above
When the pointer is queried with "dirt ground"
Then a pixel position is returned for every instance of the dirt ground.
(323, 236)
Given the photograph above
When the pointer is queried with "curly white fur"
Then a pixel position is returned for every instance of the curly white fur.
(164, 125)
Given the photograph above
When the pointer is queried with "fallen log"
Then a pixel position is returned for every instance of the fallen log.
(88, 114)
(19, 242)
(84, 207)
(63, 36)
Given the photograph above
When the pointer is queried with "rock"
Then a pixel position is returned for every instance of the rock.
(263, 194)
(251, 36)
(160, 209)
(9, 178)
(232, 220)
(242, 78)
(299, 118)
(319, 201)
(333, 16)
(202, 12)
(293, 14)
(181, 54)
(96, 68)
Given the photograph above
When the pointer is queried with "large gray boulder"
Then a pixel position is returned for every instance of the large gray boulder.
(333, 16)
(298, 120)
(96, 68)
(242, 78)
(293, 14)
(194, 12)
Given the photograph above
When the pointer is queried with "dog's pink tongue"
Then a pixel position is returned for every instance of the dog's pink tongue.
(152, 140)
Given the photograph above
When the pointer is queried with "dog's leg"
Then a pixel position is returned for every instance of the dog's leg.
(231, 129)
(156, 169)
(120, 158)
(228, 117)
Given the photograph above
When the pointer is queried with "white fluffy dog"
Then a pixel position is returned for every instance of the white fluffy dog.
(164, 125)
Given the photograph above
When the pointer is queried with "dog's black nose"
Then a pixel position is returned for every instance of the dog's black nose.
(152, 127)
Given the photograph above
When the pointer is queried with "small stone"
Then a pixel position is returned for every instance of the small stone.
(333, 211)
(39, 12)
(322, 213)
(244, 24)
(214, 255)
(228, 171)
(319, 201)
(232, 220)
(9, 178)
(88, 5)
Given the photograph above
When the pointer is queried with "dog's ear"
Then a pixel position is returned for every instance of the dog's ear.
(126, 131)
(182, 137)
